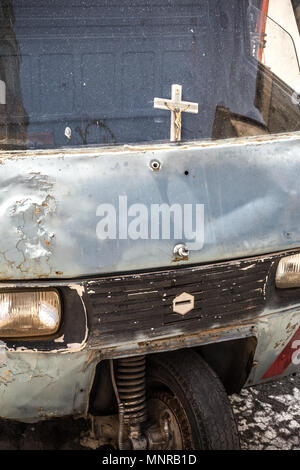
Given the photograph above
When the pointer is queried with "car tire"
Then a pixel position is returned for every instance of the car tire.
(183, 384)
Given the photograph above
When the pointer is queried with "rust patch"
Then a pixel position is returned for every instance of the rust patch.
(240, 330)
(177, 259)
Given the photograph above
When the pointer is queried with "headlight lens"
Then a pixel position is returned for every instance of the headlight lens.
(29, 313)
(288, 272)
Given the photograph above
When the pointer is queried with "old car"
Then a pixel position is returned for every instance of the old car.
(149, 214)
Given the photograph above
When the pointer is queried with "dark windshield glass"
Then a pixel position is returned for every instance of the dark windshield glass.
(86, 72)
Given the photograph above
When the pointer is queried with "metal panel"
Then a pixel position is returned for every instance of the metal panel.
(36, 386)
(49, 200)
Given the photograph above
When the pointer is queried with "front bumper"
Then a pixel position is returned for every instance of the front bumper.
(133, 314)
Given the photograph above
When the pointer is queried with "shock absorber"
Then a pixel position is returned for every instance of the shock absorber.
(131, 383)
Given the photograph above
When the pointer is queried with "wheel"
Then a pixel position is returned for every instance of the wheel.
(188, 402)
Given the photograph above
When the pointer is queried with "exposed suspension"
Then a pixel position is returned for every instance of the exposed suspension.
(128, 377)
(131, 383)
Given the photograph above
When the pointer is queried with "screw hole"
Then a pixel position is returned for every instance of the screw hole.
(155, 165)
(186, 173)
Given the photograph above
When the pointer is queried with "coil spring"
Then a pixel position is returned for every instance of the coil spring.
(131, 383)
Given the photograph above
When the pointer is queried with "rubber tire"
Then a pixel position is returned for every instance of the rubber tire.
(201, 394)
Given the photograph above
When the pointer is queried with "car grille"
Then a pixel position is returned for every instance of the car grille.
(129, 307)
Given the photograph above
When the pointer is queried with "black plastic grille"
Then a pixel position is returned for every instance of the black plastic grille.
(134, 306)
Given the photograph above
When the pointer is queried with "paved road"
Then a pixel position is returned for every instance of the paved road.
(268, 417)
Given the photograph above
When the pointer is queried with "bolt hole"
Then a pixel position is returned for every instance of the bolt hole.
(186, 173)
(155, 165)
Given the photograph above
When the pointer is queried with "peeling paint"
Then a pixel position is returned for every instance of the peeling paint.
(60, 339)
(248, 267)
(34, 386)
(74, 346)
(79, 289)
(48, 213)
(25, 210)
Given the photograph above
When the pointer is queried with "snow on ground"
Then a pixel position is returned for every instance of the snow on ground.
(268, 415)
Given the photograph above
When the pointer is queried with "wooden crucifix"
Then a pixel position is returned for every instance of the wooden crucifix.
(176, 106)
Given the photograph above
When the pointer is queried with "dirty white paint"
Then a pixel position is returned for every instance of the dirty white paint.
(248, 267)
(74, 346)
(79, 289)
(60, 339)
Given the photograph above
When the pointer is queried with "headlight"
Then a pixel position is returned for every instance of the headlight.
(29, 313)
(288, 272)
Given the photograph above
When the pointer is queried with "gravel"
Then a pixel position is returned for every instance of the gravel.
(268, 415)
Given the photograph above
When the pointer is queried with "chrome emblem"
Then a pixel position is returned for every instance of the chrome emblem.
(183, 303)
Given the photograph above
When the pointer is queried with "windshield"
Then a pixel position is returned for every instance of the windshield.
(87, 72)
